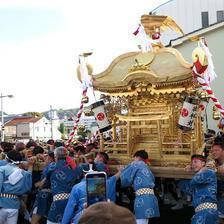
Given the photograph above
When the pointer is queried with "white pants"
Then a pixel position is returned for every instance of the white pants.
(8, 216)
(142, 221)
(49, 222)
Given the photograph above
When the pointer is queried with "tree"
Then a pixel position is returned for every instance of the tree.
(83, 133)
(62, 130)
(33, 113)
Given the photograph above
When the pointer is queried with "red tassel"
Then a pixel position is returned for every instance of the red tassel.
(199, 68)
(136, 31)
(202, 107)
(156, 36)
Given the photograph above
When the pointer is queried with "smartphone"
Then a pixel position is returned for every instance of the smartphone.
(96, 187)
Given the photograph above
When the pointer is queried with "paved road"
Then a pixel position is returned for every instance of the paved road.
(182, 216)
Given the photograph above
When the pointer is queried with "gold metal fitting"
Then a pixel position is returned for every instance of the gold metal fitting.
(88, 112)
(81, 127)
(204, 95)
(86, 54)
(85, 99)
(216, 114)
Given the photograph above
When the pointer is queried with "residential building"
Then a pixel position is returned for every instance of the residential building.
(191, 15)
(89, 122)
(206, 19)
(214, 36)
(31, 128)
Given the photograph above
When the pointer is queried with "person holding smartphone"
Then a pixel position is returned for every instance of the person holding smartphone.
(83, 193)
(138, 175)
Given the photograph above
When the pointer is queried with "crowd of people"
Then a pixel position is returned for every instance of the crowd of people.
(46, 184)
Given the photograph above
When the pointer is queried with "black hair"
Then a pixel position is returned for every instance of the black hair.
(198, 156)
(71, 153)
(142, 154)
(58, 144)
(14, 155)
(81, 139)
(20, 146)
(211, 131)
(6, 146)
(219, 140)
(80, 148)
(31, 143)
(38, 150)
(51, 154)
(50, 142)
(91, 146)
(105, 155)
(220, 134)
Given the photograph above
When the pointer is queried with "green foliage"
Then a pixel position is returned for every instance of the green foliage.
(83, 132)
(63, 136)
(33, 113)
(62, 128)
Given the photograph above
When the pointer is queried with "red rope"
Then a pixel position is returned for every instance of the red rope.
(78, 115)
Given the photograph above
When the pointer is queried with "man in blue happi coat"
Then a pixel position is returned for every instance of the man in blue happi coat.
(62, 178)
(14, 182)
(138, 175)
(43, 197)
(203, 188)
(217, 153)
(78, 196)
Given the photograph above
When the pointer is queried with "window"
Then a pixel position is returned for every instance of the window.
(204, 19)
(25, 134)
(220, 16)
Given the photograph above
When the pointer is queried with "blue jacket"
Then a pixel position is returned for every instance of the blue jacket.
(62, 178)
(202, 187)
(3, 162)
(22, 186)
(138, 175)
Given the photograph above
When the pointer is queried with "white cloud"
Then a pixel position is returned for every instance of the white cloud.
(41, 72)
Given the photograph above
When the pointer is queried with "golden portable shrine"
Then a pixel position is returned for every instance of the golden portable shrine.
(144, 93)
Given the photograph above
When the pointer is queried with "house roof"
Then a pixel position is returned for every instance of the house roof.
(199, 32)
(19, 120)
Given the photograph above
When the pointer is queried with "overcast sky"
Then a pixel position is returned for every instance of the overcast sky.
(40, 42)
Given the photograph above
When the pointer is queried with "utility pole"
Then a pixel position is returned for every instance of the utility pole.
(2, 116)
(2, 119)
(51, 120)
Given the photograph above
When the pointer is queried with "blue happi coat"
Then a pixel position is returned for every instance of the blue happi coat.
(21, 187)
(77, 199)
(220, 194)
(62, 178)
(139, 175)
(203, 188)
(44, 197)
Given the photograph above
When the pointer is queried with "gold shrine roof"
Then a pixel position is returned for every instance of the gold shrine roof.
(163, 66)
